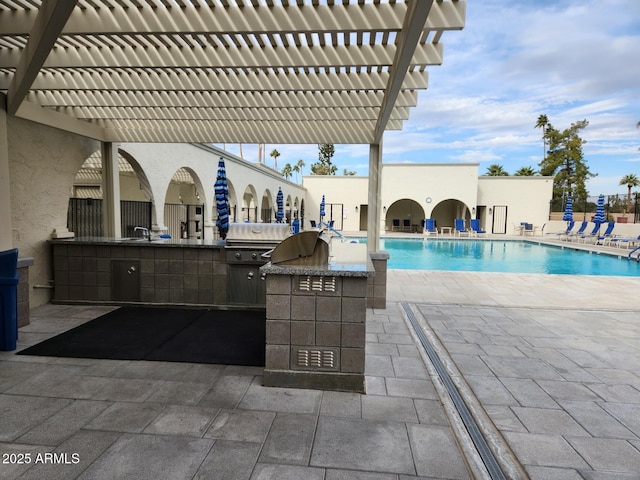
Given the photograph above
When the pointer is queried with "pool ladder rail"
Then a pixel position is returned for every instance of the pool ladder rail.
(637, 257)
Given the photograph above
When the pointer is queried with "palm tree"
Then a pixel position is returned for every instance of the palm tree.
(298, 168)
(630, 181)
(275, 154)
(496, 170)
(542, 122)
(525, 172)
(287, 171)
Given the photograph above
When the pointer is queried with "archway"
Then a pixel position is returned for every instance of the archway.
(267, 213)
(249, 205)
(404, 215)
(446, 211)
(185, 205)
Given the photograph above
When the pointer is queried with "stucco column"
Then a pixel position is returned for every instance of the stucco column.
(6, 232)
(373, 212)
(110, 190)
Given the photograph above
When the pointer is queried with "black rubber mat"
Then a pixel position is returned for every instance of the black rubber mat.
(230, 337)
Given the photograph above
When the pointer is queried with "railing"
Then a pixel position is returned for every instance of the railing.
(630, 256)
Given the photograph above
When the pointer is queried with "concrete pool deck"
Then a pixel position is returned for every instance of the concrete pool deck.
(552, 363)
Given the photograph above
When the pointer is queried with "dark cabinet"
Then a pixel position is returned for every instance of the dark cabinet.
(246, 285)
(125, 280)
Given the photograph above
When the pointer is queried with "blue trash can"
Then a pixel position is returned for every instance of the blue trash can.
(296, 226)
(8, 299)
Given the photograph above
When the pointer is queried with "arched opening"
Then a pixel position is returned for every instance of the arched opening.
(249, 211)
(267, 211)
(404, 215)
(184, 205)
(446, 211)
(85, 209)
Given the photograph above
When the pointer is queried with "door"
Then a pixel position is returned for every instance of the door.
(499, 223)
(364, 213)
(125, 280)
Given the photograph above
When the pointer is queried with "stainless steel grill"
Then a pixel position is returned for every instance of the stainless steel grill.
(247, 248)
(257, 234)
(305, 248)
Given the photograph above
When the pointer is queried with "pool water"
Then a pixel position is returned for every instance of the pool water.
(501, 256)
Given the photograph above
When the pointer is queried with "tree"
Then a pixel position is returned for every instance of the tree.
(275, 154)
(496, 170)
(324, 166)
(565, 161)
(346, 172)
(542, 122)
(287, 171)
(630, 181)
(298, 168)
(526, 172)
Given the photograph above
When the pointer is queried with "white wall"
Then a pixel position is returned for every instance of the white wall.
(43, 163)
(528, 198)
(455, 190)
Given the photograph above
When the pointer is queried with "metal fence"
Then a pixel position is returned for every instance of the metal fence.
(84, 216)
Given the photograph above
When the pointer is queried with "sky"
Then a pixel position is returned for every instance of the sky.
(515, 60)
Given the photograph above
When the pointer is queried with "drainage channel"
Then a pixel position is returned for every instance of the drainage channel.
(481, 445)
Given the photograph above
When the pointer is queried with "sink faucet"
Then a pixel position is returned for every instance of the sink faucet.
(145, 232)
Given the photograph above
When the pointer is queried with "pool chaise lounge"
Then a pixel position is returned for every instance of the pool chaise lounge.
(476, 230)
(430, 227)
(600, 237)
(558, 228)
(460, 228)
(626, 235)
(569, 236)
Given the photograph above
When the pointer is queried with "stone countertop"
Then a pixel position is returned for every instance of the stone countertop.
(334, 268)
(139, 242)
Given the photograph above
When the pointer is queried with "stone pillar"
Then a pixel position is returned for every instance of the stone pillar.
(6, 232)
(377, 285)
(315, 330)
(111, 190)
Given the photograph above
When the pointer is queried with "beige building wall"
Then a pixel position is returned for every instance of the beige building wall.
(443, 191)
(43, 163)
(527, 199)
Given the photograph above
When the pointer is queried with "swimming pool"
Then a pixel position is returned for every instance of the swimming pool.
(501, 256)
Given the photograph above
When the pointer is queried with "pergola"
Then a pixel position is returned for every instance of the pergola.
(224, 71)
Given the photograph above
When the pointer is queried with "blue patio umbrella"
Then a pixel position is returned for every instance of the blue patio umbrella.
(599, 216)
(221, 190)
(280, 202)
(568, 211)
(322, 208)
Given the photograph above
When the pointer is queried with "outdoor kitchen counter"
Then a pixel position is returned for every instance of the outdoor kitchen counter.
(140, 242)
(124, 271)
(315, 336)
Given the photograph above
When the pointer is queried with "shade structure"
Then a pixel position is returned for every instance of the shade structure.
(600, 216)
(221, 190)
(280, 202)
(322, 213)
(568, 211)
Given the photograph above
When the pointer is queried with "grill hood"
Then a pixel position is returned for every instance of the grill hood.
(268, 234)
(305, 248)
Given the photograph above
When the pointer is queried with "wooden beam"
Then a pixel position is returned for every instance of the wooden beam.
(51, 18)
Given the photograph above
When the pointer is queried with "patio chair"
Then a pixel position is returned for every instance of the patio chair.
(406, 225)
(461, 230)
(395, 225)
(626, 241)
(527, 228)
(475, 227)
(566, 231)
(577, 233)
(593, 233)
(606, 235)
(430, 226)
